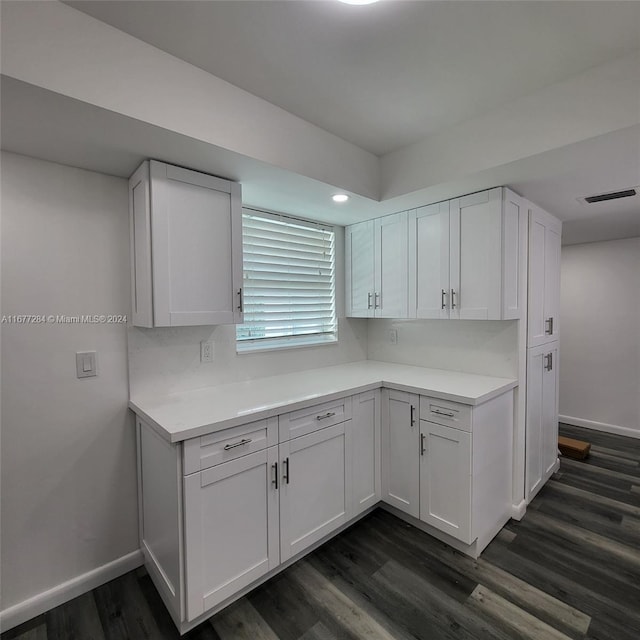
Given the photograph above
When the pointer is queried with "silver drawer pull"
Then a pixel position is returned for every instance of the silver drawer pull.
(549, 326)
(237, 444)
(442, 413)
(326, 415)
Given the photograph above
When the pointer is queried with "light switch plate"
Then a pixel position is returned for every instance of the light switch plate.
(86, 364)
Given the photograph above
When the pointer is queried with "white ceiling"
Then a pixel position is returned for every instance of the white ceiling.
(387, 74)
(381, 76)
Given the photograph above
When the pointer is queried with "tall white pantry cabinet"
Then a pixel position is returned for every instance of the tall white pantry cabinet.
(464, 260)
(543, 334)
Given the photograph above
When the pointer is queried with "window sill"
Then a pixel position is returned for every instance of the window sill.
(279, 344)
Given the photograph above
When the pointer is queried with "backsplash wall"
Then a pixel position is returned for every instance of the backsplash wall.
(486, 347)
(168, 360)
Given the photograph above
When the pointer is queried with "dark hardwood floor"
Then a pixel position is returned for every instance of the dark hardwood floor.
(569, 569)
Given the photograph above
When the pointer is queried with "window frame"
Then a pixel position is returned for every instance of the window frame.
(264, 344)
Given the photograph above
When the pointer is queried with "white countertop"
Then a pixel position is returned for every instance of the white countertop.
(179, 416)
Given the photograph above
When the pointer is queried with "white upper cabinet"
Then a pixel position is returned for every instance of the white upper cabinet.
(377, 268)
(545, 234)
(465, 257)
(429, 289)
(359, 266)
(391, 269)
(186, 247)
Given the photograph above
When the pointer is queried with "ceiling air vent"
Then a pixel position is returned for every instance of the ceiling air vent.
(615, 195)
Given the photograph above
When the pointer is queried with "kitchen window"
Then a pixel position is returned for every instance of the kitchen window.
(289, 283)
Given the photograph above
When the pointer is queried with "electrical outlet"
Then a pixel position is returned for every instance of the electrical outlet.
(392, 334)
(206, 351)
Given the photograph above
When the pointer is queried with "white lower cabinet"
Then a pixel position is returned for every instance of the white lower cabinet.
(542, 416)
(455, 475)
(221, 511)
(445, 479)
(400, 454)
(314, 489)
(231, 528)
(364, 444)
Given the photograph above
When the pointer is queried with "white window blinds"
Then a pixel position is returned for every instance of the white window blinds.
(289, 282)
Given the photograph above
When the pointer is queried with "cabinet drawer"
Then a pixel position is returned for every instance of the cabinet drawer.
(222, 446)
(445, 412)
(299, 423)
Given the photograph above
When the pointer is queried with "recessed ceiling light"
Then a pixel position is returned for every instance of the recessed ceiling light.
(358, 1)
(340, 197)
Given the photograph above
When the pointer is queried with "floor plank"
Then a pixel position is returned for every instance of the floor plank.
(241, 621)
(75, 620)
(523, 623)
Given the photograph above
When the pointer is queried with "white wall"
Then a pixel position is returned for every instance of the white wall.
(600, 336)
(484, 347)
(69, 500)
(165, 360)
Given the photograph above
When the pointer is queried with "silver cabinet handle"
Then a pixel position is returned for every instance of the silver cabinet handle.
(549, 328)
(237, 444)
(443, 304)
(422, 447)
(453, 298)
(413, 415)
(285, 465)
(549, 358)
(376, 300)
(442, 413)
(240, 300)
(326, 415)
(369, 296)
(274, 482)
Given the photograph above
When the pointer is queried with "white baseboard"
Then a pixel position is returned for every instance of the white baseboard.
(601, 426)
(518, 510)
(27, 609)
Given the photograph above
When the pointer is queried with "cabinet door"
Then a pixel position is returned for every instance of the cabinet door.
(445, 479)
(476, 256)
(231, 528)
(550, 382)
(364, 444)
(544, 278)
(197, 248)
(140, 249)
(401, 452)
(314, 488)
(359, 269)
(552, 281)
(542, 416)
(391, 297)
(429, 293)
